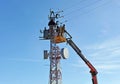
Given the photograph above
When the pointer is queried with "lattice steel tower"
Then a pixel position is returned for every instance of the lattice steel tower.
(55, 33)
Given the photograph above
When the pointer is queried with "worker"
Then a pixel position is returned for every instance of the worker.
(51, 23)
(62, 29)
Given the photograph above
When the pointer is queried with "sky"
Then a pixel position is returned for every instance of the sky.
(93, 24)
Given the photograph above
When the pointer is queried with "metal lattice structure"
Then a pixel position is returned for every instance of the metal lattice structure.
(54, 34)
(55, 71)
(55, 55)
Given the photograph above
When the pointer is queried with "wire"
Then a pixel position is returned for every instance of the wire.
(83, 13)
(88, 5)
(74, 5)
(70, 7)
(85, 6)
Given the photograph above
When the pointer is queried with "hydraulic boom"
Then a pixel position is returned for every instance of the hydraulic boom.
(93, 71)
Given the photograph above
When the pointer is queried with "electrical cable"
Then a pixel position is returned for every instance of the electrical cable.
(88, 5)
(74, 5)
(74, 11)
(83, 13)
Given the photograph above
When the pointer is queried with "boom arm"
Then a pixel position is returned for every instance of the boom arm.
(93, 71)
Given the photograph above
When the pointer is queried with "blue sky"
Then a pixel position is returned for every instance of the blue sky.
(93, 24)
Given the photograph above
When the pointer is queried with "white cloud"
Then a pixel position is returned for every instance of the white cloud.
(110, 47)
(108, 67)
(104, 56)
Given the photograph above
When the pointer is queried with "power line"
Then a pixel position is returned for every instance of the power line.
(83, 13)
(74, 5)
(88, 5)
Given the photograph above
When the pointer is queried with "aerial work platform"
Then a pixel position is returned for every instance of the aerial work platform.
(59, 39)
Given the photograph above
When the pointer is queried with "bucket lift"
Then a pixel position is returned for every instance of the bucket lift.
(93, 71)
(59, 37)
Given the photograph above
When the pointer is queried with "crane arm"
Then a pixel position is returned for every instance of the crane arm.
(93, 71)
